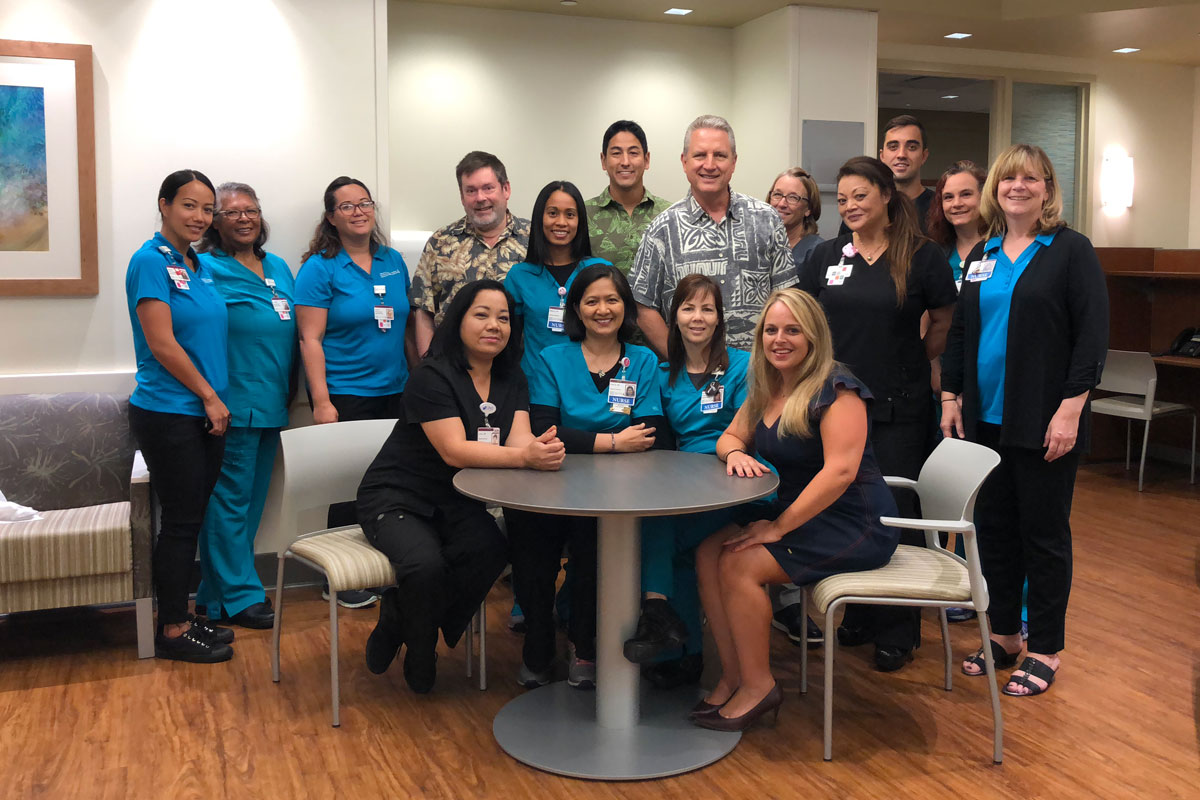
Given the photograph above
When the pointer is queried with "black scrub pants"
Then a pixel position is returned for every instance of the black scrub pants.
(445, 566)
(1023, 521)
(535, 543)
(184, 462)
(352, 407)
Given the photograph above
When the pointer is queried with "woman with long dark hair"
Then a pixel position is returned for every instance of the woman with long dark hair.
(875, 284)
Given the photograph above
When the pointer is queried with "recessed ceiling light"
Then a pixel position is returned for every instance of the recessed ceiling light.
(958, 36)
(679, 12)
(949, 97)
(568, 2)
(1124, 50)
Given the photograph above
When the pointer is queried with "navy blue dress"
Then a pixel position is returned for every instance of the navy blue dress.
(847, 536)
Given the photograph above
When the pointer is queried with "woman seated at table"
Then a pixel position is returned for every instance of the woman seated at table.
(702, 384)
(466, 405)
(809, 416)
(601, 395)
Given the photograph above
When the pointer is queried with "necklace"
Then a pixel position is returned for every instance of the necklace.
(870, 257)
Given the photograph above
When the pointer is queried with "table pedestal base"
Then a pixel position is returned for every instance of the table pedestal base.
(554, 729)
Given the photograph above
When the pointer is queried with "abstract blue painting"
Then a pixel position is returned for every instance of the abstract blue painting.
(24, 218)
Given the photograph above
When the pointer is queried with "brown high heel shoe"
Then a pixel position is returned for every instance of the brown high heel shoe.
(704, 709)
(770, 703)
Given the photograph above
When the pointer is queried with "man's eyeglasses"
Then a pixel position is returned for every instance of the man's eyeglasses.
(231, 215)
(792, 199)
(348, 208)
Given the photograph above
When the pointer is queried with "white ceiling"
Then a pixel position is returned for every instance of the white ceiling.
(1167, 31)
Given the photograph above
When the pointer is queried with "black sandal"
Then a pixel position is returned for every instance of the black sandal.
(1032, 668)
(1000, 657)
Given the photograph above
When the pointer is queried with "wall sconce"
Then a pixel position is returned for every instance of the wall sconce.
(1116, 181)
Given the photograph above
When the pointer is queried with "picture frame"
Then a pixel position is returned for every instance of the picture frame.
(58, 204)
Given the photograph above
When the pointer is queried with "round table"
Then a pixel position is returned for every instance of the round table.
(620, 732)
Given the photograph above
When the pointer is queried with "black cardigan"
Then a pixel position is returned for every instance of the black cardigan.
(1057, 341)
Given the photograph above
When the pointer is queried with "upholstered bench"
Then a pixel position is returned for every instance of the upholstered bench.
(72, 458)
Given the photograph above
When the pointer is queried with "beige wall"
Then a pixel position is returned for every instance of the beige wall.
(1149, 109)
(762, 101)
(538, 90)
(285, 101)
(1194, 235)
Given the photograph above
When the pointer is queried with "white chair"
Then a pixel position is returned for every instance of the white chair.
(323, 464)
(929, 576)
(1134, 374)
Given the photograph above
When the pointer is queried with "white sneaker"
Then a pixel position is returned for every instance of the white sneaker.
(532, 680)
(581, 674)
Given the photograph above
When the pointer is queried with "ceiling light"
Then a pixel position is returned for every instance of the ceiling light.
(678, 12)
(1124, 50)
(958, 36)
(949, 97)
(568, 2)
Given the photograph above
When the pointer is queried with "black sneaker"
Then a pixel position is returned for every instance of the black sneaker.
(799, 628)
(387, 637)
(194, 645)
(217, 634)
(351, 598)
(659, 631)
(685, 671)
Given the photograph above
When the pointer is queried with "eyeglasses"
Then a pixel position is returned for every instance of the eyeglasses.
(348, 208)
(792, 199)
(231, 215)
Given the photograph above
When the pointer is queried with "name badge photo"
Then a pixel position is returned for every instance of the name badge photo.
(621, 396)
(281, 308)
(487, 435)
(712, 402)
(384, 316)
(981, 270)
(178, 274)
(554, 319)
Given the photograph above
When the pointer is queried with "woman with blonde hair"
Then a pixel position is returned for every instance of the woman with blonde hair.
(1026, 346)
(809, 417)
(795, 196)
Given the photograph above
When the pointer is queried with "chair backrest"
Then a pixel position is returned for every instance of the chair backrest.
(1129, 372)
(323, 464)
(951, 478)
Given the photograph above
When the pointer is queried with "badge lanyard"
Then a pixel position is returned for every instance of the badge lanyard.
(713, 396)
(278, 303)
(180, 276)
(836, 274)
(383, 314)
(622, 393)
(554, 316)
(487, 434)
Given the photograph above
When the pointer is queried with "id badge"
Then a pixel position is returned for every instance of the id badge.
(981, 270)
(712, 403)
(178, 274)
(554, 319)
(281, 308)
(836, 274)
(384, 316)
(487, 435)
(183, 285)
(621, 396)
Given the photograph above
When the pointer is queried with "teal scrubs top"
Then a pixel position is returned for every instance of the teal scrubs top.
(562, 380)
(955, 264)
(262, 346)
(995, 302)
(360, 358)
(696, 431)
(198, 321)
(535, 292)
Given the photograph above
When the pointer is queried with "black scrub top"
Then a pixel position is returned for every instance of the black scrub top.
(877, 340)
(408, 473)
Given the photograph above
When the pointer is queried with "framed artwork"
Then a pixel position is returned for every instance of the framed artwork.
(47, 170)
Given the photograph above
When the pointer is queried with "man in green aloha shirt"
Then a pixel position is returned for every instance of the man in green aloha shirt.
(618, 216)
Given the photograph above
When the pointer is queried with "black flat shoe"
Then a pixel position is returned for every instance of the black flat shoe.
(194, 645)
(659, 632)
(259, 616)
(214, 632)
(853, 637)
(890, 659)
(388, 637)
(768, 705)
(685, 671)
(420, 670)
(1001, 658)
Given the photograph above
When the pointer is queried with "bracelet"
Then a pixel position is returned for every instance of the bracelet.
(613, 447)
(731, 452)
(949, 399)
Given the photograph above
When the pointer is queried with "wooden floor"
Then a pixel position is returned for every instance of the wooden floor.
(81, 717)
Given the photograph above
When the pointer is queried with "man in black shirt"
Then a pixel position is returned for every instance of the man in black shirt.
(905, 151)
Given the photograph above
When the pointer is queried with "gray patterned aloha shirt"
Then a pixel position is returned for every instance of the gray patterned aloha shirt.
(456, 255)
(747, 254)
(615, 234)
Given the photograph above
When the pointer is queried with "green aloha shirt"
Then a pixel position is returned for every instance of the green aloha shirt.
(616, 235)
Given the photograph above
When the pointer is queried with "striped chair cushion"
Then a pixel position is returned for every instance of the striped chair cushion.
(348, 559)
(915, 572)
(86, 590)
(68, 543)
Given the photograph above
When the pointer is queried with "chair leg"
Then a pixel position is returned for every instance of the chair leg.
(277, 627)
(830, 646)
(144, 615)
(1193, 447)
(1142, 465)
(946, 647)
(997, 718)
(1128, 441)
(804, 649)
(333, 656)
(469, 644)
(483, 646)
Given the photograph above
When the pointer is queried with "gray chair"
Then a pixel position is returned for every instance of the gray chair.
(323, 464)
(928, 577)
(1134, 375)
(72, 457)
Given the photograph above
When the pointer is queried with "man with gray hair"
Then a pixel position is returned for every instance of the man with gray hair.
(733, 238)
